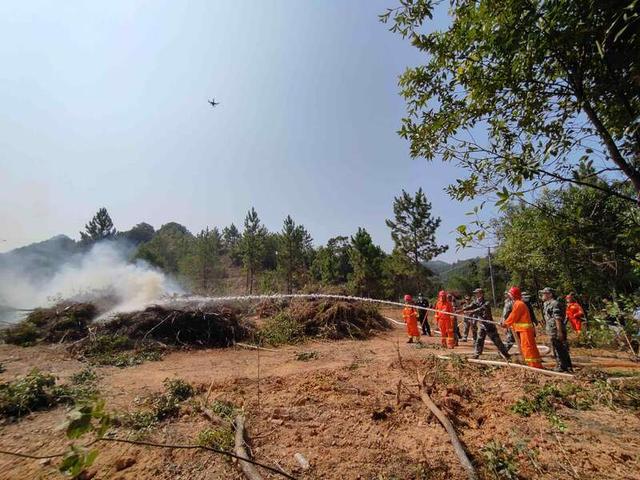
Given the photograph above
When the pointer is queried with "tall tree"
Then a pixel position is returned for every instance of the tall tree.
(231, 238)
(168, 249)
(294, 244)
(141, 233)
(520, 92)
(366, 261)
(100, 227)
(252, 246)
(413, 231)
(572, 239)
(331, 264)
(203, 262)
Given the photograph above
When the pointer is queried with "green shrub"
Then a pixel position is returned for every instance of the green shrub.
(548, 398)
(178, 388)
(224, 410)
(163, 406)
(120, 351)
(87, 375)
(34, 391)
(24, 334)
(220, 438)
(282, 329)
(500, 460)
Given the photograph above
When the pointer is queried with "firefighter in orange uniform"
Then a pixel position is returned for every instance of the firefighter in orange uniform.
(445, 320)
(519, 321)
(410, 317)
(574, 313)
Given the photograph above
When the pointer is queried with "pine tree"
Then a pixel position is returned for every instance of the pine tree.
(231, 243)
(203, 263)
(366, 261)
(294, 244)
(414, 230)
(331, 265)
(252, 246)
(100, 227)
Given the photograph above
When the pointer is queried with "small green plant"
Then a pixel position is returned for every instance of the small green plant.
(163, 406)
(282, 329)
(306, 356)
(220, 438)
(139, 420)
(224, 410)
(354, 365)
(500, 460)
(178, 388)
(86, 418)
(86, 375)
(458, 361)
(83, 386)
(548, 398)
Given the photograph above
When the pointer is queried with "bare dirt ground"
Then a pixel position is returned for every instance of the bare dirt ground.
(341, 411)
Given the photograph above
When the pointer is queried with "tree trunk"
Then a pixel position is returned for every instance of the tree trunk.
(632, 174)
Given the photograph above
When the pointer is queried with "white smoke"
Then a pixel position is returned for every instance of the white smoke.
(102, 273)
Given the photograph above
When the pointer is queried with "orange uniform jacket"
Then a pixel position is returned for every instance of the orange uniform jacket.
(410, 317)
(575, 314)
(520, 322)
(446, 322)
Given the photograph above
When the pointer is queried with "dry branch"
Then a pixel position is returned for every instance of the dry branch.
(448, 426)
(247, 468)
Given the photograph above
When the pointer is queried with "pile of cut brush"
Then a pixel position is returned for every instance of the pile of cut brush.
(219, 327)
(337, 319)
(65, 321)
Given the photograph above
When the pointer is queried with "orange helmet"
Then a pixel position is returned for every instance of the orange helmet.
(515, 293)
(408, 298)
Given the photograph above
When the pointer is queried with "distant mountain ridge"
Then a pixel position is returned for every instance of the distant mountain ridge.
(41, 257)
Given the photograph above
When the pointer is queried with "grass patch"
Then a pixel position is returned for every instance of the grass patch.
(220, 438)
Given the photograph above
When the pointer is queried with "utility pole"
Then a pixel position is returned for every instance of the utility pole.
(493, 288)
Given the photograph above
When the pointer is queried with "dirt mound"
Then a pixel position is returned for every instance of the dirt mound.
(337, 319)
(65, 321)
(211, 328)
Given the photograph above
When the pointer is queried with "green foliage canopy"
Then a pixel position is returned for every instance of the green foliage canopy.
(521, 92)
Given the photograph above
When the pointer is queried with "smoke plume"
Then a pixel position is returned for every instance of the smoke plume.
(102, 273)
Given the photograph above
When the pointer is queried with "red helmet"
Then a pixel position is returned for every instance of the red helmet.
(515, 293)
(408, 298)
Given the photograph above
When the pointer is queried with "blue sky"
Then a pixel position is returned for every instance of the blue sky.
(104, 104)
